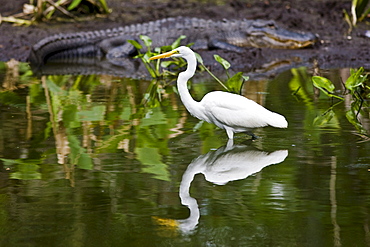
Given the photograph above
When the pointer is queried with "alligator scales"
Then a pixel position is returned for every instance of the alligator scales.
(204, 34)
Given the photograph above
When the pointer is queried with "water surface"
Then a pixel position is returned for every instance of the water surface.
(107, 161)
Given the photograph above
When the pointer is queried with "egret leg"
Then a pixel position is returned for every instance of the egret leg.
(230, 143)
(230, 133)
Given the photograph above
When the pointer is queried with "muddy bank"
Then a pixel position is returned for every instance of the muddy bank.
(337, 48)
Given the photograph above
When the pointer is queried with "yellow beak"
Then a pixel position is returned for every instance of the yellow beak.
(164, 55)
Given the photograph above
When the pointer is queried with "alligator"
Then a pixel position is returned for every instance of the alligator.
(204, 34)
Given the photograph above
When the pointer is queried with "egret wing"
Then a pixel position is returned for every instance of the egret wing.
(236, 111)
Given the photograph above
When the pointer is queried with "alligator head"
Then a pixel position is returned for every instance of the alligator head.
(262, 33)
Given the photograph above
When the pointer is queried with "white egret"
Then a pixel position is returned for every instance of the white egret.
(231, 112)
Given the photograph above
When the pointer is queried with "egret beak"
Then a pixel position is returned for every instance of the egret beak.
(164, 55)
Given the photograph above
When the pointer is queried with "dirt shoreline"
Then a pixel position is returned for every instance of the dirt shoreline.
(324, 18)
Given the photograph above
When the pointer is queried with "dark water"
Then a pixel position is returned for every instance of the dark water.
(105, 161)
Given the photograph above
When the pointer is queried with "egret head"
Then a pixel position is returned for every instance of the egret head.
(188, 55)
(181, 51)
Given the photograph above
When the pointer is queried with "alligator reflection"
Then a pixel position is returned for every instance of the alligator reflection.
(228, 163)
(133, 68)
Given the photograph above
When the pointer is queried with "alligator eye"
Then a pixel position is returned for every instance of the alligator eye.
(271, 25)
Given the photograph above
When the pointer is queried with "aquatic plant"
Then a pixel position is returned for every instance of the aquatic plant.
(45, 10)
(233, 83)
(154, 68)
(357, 85)
(160, 69)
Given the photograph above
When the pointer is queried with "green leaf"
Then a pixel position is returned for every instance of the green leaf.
(356, 79)
(351, 117)
(85, 161)
(222, 61)
(324, 118)
(146, 57)
(147, 41)
(245, 77)
(54, 88)
(154, 116)
(78, 155)
(177, 42)
(26, 172)
(135, 44)
(166, 64)
(95, 114)
(25, 169)
(360, 6)
(323, 84)
(74, 4)
(105, 6)
(199, 58)
(364, 15)
(152, 159)
(70, 117)
(235, 83)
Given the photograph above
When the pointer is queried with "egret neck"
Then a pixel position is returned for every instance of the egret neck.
(194, 107)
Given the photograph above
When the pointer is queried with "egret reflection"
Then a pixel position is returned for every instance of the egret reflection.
(221, 166)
